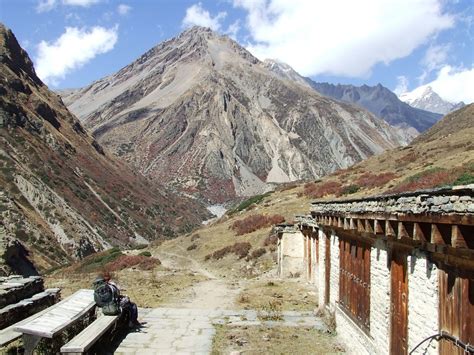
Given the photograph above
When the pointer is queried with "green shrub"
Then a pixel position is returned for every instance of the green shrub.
(349, 189)
(464, 179)
(247, 203)
(145, 253)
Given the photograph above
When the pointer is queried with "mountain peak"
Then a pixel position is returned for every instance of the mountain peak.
(201, 113)
(426, 98)
(14, 57)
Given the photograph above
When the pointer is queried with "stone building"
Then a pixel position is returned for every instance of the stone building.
(394, 270)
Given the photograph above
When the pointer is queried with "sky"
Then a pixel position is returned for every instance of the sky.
(402, 44)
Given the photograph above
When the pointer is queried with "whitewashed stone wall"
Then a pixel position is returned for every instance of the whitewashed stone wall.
(334, 276)
(314, 263)
(291, 254)
(322, 268)
(423, 300)
(423, 297)
(380, 297)
(353, 338)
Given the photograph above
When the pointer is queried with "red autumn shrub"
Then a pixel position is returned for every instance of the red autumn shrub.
(427, 179)
(318, 189)
(127, 261)
(258, 253)
(240, 249)
(370, 180)
(255, 222)
(272, 239)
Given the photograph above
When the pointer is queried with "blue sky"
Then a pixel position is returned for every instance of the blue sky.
(402, 44)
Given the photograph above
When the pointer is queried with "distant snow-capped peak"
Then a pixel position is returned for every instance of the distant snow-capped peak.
(425, 98)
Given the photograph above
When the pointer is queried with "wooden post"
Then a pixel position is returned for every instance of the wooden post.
(378, 227)
(457, 239)
(418, 233)
(368, 226)
(389, 230)
(402, 232)
(436, 237)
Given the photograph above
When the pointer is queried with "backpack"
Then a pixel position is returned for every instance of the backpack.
(106, 297)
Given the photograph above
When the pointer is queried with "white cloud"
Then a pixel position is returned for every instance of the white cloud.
(45, 5)
(434, 59)
(48, 5)
(233, 29)
(83, 3)
(402, 85)
(197, 15)
(340, 37)
(454, 84)
(123, 9)
(73, 49)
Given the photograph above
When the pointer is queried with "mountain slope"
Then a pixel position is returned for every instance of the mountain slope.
(201, 113)
(425, 98)
(63, 197)
(382, 103)
(446, 159)
(457, 122)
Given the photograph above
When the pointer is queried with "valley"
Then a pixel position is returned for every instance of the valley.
(192, 172)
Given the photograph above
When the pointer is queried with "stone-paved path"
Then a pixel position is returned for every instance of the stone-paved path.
(190, 331)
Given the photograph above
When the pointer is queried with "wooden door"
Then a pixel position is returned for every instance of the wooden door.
(328, 269)
(399, 304)
(456, 309)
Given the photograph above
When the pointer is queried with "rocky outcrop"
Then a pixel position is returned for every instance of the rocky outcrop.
(202, 114)
(383, 103)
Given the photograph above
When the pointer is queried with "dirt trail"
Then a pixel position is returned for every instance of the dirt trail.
(213, 293)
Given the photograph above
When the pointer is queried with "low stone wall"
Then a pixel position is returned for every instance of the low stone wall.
(430, 201)
(15, 288)
(13, 313)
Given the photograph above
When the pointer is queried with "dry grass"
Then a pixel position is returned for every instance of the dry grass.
(289, 295)
(150, 288)
(273, 340)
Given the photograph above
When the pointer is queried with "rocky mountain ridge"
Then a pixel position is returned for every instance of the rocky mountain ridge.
(200, 113)
(63, 195)
(383, 103)
(425, 98)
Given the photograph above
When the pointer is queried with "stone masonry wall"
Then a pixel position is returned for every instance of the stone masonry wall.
(334, 276)
(380, 297)
(291, 254)
(314, 263)
(423, 299)
(444, 201)
(322, 269)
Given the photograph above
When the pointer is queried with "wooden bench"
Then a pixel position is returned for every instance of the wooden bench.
(85, 339)
(56, 319)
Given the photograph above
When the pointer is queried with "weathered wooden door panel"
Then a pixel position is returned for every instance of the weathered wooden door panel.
(354, 281)
(399, 304)
(456, 309)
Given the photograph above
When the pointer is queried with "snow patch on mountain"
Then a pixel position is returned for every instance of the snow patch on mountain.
(425, 98)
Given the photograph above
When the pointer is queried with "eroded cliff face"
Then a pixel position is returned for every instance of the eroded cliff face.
(63, 196)
(202, 114)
